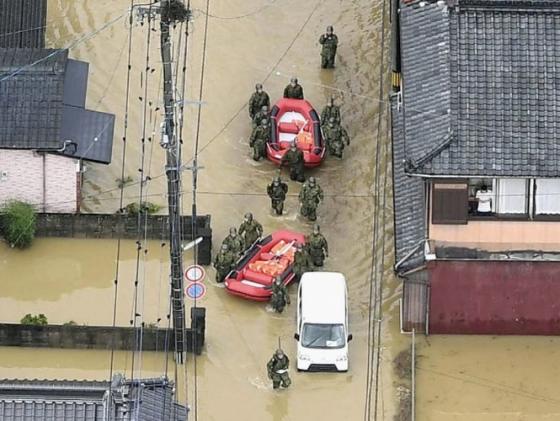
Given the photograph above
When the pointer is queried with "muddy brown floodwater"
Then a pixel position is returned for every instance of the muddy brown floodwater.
(459, 378)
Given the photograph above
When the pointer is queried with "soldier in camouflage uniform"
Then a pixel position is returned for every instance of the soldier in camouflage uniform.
(264, 112)
(258, 99)
(259, 138)
(280, 296)
(294, 159)
(277, 369)
(329, 41)
(318, 246)
(234, 242)
(224, 262)
(335, 136)
(310, 196)
(277, 192)
(293, 90)
(302, 262)
(250, 229)
(331, 110)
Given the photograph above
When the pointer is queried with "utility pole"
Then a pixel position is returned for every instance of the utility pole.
(172, 11)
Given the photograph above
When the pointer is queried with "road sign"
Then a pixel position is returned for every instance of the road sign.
(195, 290)
(195, 273)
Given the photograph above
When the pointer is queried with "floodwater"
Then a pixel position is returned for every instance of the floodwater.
(251, 41)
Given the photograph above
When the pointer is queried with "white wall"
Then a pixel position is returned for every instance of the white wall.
(21, 178)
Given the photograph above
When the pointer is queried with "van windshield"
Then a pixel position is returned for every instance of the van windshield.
(316, 335)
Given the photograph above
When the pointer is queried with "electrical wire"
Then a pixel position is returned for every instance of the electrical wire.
(254, 12)
(141, 212)
(194, 188)
(119, 239)
(374, 280)
(75, 43)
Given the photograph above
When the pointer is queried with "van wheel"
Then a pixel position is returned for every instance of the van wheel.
(298, 370)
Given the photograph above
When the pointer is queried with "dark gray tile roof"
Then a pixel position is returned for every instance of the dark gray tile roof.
(30, 102)
(480, 87)
(40, 400)
(408, 196)
(42, 99)
(23, 23)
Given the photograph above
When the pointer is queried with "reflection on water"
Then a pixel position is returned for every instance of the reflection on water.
(73, 279)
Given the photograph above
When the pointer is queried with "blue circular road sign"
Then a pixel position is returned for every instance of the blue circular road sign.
(195, 290)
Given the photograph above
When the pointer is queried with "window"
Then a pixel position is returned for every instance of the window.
(323, 336)
(449, 202)
(482, 197)
(511, 196)
(547, 196)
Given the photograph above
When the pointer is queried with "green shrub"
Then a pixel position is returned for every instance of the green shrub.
(39, 320)
(148, 207)
(121, 182)
(18, 223)
(71, 323)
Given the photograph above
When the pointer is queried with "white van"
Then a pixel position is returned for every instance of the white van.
(322, 322)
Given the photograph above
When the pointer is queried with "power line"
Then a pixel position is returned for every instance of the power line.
(375, 289)
(194, 187)
(123, 161)
(59, 51)
(141, 214)
(254, 12)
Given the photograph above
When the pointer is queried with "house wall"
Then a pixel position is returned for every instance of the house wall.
(21, 178)
(494, 297)
(497, 235)
(500, 235)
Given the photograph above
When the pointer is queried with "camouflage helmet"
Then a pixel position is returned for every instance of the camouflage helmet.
(249, 216)
(233, 231)
(316, 229)
(311, 180)
(293, 146)
(331, 121)
(258, 87)
(294, 80)
(276, 181)
(264, 108)
(279, 353)
(225, 247)
(330, 29)
(264, 122)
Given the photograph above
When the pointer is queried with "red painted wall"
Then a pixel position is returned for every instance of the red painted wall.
(482, 297)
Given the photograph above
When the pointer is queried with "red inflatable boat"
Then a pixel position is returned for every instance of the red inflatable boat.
(296, 121)
(268, 258)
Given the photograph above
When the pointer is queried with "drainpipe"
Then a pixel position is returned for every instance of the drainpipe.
(44, 182)
(395, 46)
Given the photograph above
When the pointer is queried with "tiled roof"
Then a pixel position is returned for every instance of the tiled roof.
(23, 23)
(40, 400)
(42, 100)
(480, 82)
(408, 196)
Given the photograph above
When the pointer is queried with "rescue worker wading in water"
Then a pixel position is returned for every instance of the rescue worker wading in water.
(277, 369)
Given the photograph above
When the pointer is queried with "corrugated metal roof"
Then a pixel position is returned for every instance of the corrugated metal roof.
(480, 87)
(23, 23)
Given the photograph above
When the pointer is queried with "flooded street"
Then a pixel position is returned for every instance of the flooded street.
(250, 41)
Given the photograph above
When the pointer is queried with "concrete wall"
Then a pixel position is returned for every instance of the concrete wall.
(123, 226)
(494, 297)
(103, 337)
(48, 181)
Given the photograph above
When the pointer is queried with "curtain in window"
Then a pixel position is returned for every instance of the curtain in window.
(547, 196)
(512, 196)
